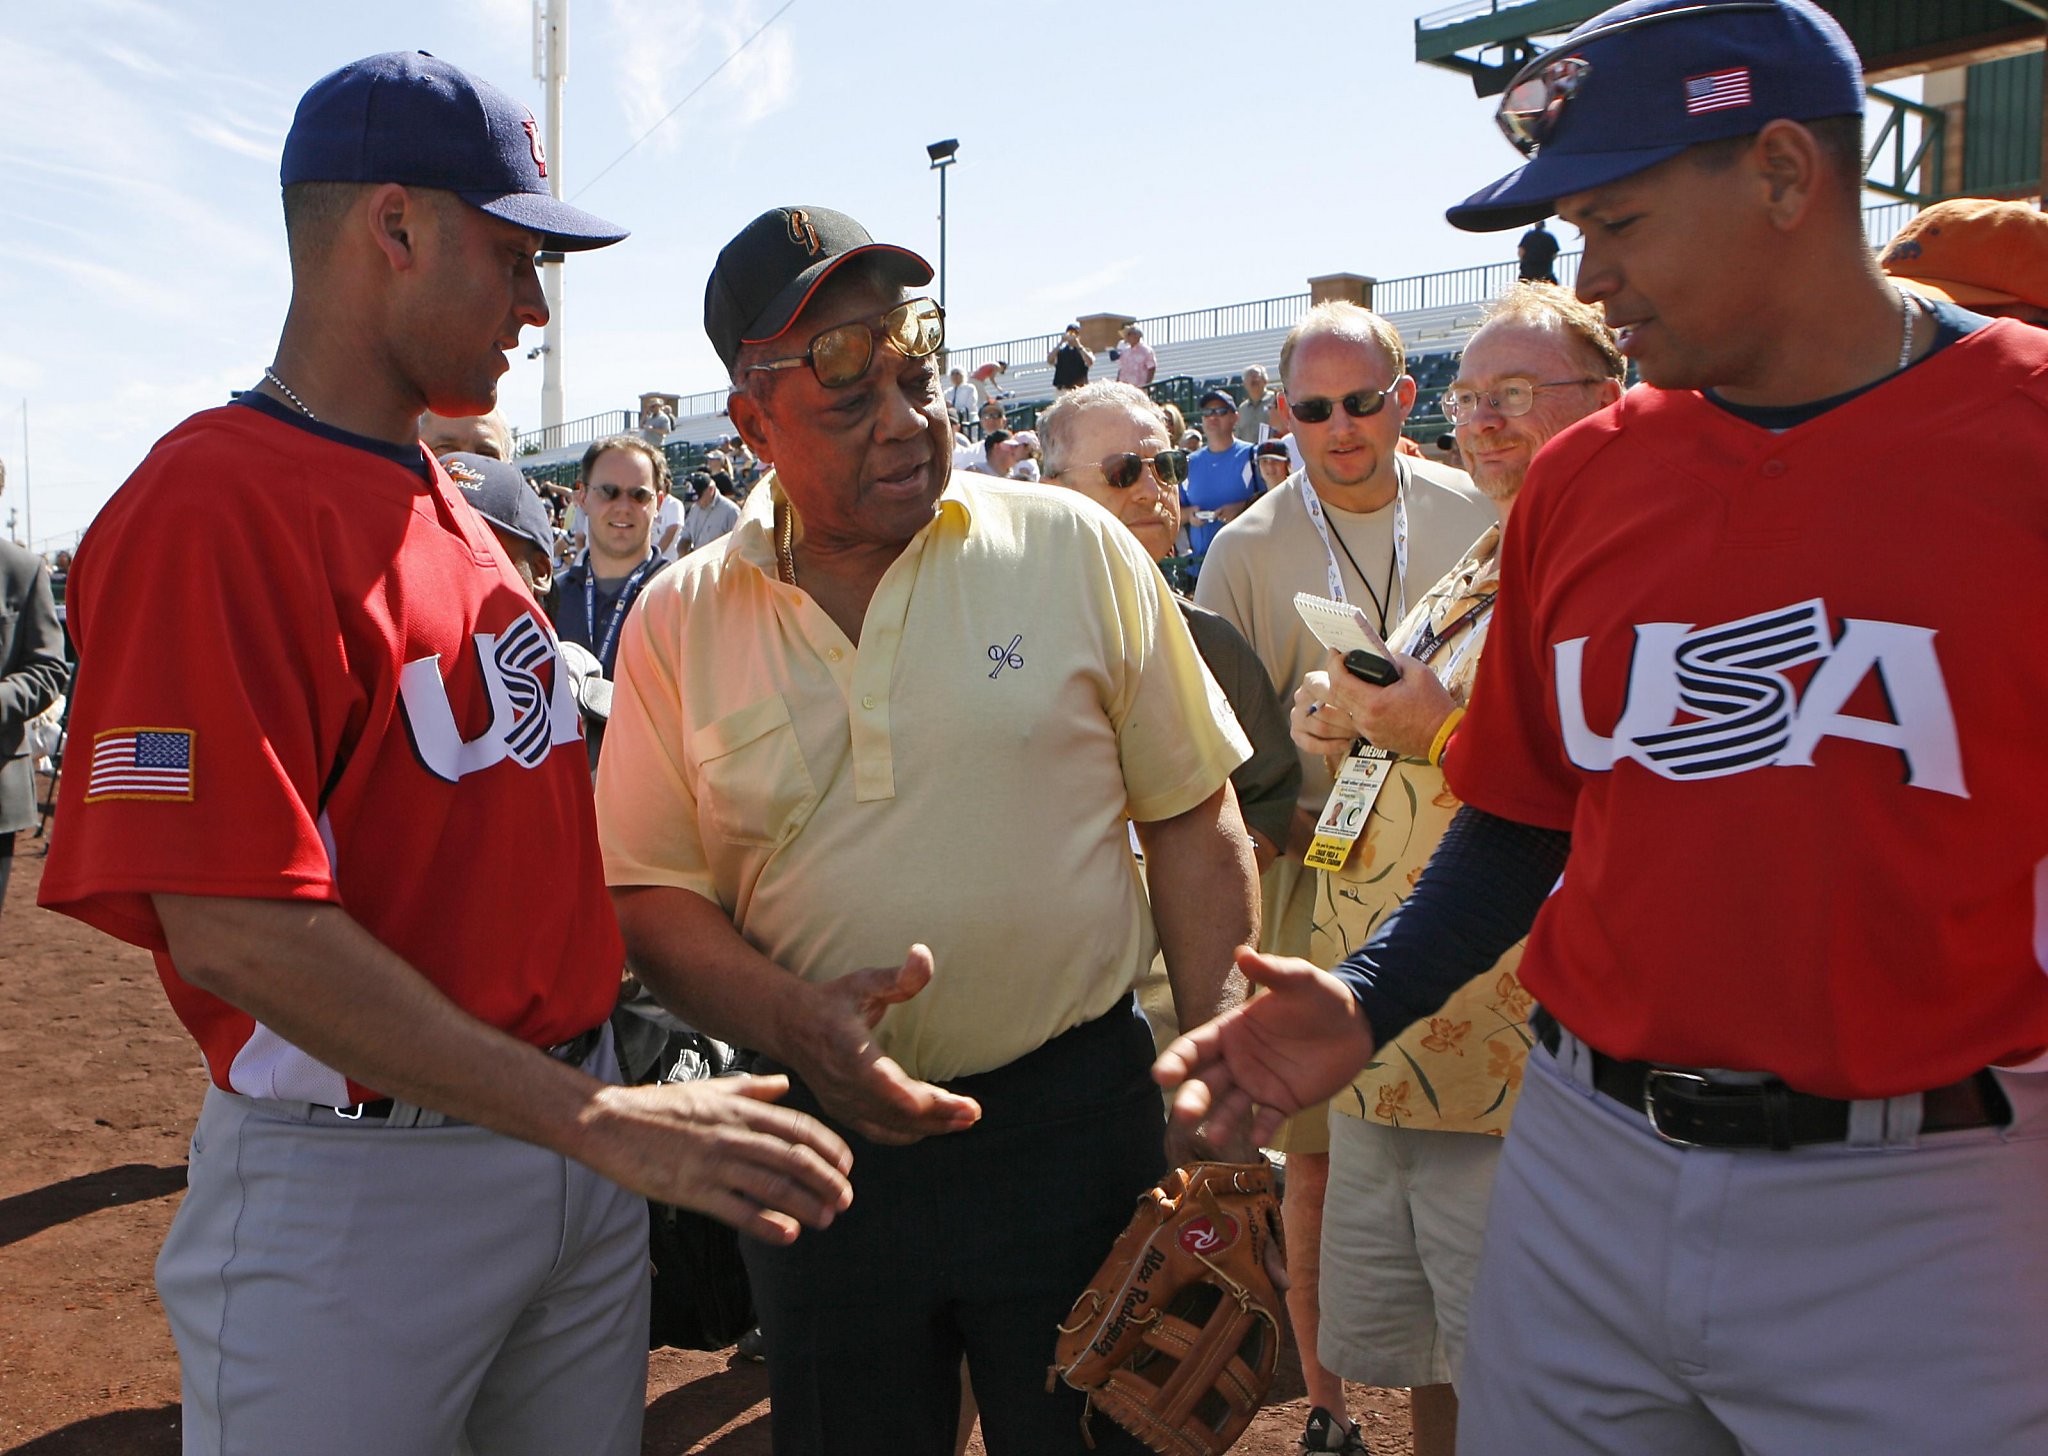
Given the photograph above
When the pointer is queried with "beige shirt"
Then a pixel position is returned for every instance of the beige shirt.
(1461, 1069)
(1260, 560)
(1023, 684)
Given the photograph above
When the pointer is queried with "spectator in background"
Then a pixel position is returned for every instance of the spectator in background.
(1221, 481)
(1136, 364)
(1253, 425)
(960, 400)
(657, 422)
(32, 674)
(1025, 467)
(1176, 422)
(1990, 257)
(668, 525)
(476, 434)
(513, 509)
(1274, 463)
(621, 487)
(1368, 525)
(999, 451)
(710, 516)
(1536, 255)
(988, 378)
(1070, 361)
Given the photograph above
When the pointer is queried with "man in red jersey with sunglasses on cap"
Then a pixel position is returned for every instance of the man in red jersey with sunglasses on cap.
(1775, 1184)
(864, 802)
(321, 722)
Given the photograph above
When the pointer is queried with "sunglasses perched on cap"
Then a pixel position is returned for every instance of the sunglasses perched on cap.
(1536, 99)
(840, 356)
(1359, 404)
(1123, 469)
(1510, 398)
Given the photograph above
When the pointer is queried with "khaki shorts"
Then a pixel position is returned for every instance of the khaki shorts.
(1402, 1226)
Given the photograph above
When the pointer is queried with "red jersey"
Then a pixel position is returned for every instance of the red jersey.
(1786, 690)
(308, 673)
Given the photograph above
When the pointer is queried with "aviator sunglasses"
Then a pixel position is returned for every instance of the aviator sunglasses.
(1359, 404)
(640, 494)
(1123, 469)
(840, 356)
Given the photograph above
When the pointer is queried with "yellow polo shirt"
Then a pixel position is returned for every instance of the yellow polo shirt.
(1023, 684)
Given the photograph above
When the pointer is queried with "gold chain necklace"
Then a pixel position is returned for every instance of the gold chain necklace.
(785, 552)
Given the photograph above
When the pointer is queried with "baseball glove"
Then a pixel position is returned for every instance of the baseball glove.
(1177, 1338)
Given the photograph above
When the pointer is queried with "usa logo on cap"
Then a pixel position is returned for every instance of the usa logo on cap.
(1717, 91)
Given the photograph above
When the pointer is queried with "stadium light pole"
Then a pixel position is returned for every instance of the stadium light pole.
(943, 156)
(551, 69)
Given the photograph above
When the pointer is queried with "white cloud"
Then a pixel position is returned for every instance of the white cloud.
(656, 66)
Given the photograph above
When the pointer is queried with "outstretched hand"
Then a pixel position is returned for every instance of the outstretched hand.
(837, 1057)
(1293, 1045)
(722, 1147)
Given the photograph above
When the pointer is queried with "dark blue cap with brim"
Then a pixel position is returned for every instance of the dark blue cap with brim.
(1660, 76)
(410, 118)
(502, 495)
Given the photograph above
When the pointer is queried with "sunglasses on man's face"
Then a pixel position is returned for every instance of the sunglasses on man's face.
(640, 495)
(840, 356)
(1122, 470)
(1216, 411)
(1359, 404)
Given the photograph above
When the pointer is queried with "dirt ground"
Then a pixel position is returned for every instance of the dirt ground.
(98, 1088)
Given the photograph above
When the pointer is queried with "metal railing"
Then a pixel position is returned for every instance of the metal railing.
(1470, 10)
(574, 432)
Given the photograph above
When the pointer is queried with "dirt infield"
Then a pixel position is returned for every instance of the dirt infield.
(98, 1088)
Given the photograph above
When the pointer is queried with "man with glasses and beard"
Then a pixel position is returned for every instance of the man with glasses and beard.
(864, 807)
(1755, 750)
(1363, 524)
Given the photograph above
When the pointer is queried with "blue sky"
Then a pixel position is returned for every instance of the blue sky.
(1128, 155)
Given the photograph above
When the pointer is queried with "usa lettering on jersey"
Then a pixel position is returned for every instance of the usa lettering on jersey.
(1707, 702)
(530, 716)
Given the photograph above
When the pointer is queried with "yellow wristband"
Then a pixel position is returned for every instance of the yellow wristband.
(1443, 737)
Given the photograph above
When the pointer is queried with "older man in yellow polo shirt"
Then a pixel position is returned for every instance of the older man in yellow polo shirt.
(864, 804)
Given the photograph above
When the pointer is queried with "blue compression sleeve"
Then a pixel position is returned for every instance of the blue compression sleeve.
(1478, 895)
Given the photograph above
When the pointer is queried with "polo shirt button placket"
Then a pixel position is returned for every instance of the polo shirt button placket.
(868, 701)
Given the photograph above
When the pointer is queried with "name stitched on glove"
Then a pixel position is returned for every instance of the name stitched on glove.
(1134, 1300)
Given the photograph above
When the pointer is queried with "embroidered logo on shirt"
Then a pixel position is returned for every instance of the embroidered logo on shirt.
(1707, 702)
(141, 763)
(1009, 656)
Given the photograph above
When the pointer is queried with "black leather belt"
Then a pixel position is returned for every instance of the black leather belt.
(575, 1051)
(1689, 1107)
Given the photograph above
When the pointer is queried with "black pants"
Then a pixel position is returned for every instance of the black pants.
(6, 865)
(977, 1244)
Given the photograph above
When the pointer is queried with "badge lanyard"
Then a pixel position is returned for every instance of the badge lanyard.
(1314, 503)
(619, 606)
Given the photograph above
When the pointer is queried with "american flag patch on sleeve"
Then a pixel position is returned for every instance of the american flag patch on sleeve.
(141, 763)
(1717, 91)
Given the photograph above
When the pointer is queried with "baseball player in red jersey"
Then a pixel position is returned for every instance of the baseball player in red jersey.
(1763, 688)
(321, 724)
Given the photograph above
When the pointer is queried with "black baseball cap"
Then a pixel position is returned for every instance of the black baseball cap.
(502, 496)
(411, 118)
(769, 271)
(1638, 84)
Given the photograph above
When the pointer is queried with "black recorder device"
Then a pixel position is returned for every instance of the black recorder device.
(1371, 667)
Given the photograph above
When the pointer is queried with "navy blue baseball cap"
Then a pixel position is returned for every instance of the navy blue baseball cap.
(768, 272)
(1638, 84)
(410, 118)
(501, 496)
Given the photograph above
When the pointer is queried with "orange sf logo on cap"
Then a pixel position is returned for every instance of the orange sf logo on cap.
(801, 231)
